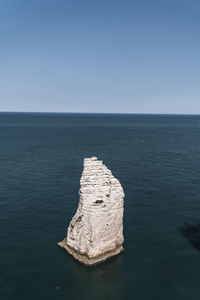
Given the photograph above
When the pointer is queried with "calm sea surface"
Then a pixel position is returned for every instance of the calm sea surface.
(157, 160)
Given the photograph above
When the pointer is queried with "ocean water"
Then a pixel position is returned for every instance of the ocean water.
(157, 160)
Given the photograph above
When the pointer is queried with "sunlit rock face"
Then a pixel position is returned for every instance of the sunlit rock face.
(95, 233)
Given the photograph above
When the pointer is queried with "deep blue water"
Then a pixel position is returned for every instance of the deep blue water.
(157, 160)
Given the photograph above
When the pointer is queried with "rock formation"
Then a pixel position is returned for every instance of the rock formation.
(95, 233)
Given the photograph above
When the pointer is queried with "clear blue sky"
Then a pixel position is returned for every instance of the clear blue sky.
(100, 56)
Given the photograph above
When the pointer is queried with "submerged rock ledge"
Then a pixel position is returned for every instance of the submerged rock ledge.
(89, 260)
(95, 233)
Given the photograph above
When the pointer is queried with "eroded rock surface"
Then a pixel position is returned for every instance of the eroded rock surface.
(96, 230)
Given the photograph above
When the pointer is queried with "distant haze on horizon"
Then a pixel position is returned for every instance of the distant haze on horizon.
(100, 56)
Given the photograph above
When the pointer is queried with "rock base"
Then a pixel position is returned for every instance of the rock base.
(87, 260)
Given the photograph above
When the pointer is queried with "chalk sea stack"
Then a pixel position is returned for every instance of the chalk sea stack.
(95, 233)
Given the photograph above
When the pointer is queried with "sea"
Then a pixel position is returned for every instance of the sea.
(157, 160)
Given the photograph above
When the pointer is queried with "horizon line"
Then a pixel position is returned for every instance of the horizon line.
(99, 113)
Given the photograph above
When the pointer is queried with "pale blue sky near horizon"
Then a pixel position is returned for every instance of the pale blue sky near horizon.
(100, 56)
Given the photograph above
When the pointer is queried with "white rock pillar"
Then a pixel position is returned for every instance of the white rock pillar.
(95, 233)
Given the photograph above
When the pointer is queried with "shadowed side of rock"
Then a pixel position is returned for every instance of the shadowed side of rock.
(96, 230)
